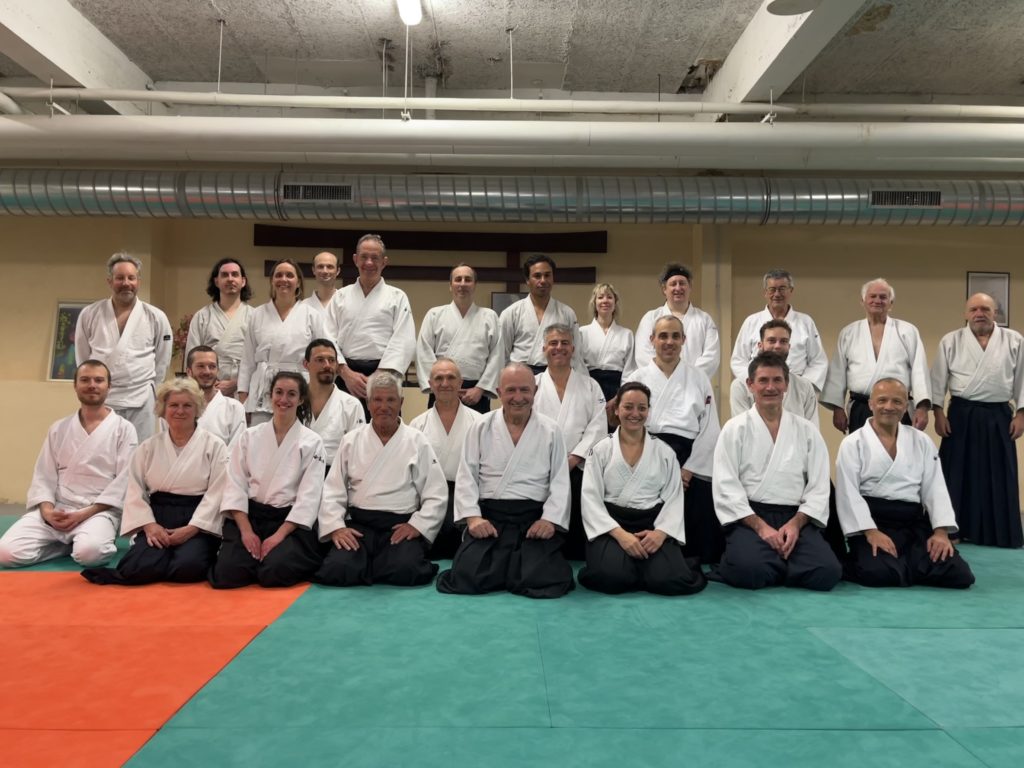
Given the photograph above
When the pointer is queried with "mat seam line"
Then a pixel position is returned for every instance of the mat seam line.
(544, 675)
(970, 751)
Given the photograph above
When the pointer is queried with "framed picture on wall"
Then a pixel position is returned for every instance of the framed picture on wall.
(62, 351)
(501, 301)
(996, 285)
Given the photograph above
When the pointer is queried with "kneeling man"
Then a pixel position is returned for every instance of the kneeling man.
(384, 498)
(893, 502)
(771, 486)
(79, 483)
(512, 494)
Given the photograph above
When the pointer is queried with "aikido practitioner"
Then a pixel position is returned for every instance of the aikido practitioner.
(771, 488)
(384, 499)
(275, 339)
(326, 269)
(272, 496)
(807, 356)
(523, 322)
(78, 485)
(801, 398)
(133, 339)
(467, 334)
(575, 402)
(445, 425)
(512, 494)
(371, 322)
(222, 415)
(221, 323)
(683, 415)
(702, 349)
(893, 503)
(172, 507)
(608, 351)
(633, 509)
(868, 350)
(982, 366)
(333, 413)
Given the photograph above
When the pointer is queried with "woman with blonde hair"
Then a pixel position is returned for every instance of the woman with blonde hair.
(607, 346)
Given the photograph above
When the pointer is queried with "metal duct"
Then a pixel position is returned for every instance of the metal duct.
(510, 199)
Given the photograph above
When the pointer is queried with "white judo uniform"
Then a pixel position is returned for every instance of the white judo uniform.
(473, 342)
(702, 347)
(611, 351)
(212, 327)
(341, 414)
(579, 414)
(199, 469)
(523, 337)
(223, 417)
(315, 303)
(654, 480)
(994, 374)
(402, 477)
(447, 445)
(75, 469)
(807, 356)
(800, 399)
(137, 358)
(375, 326)
(272, 345)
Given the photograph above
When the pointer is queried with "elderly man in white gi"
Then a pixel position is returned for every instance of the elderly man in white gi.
(771, 489)
(893, 503)
(132, 337)
(79, 482)
(384, 499)
(982, 367)
(221, 323)
(868, 350)
(223, 416)
(512, 494)
(467, 334)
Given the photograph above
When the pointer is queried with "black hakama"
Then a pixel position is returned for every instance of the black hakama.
(143, 564)
(377, 561)
(529, 567)
(833, 532)
(483, 405)
(365, 367)
(860, 412)
(609, 381)
(907, 524)
(576, 538)
(538, 369)
(293, 560)
(750, 562)
(979, 461)
(704, 539)
(450, 535)
(609, 569)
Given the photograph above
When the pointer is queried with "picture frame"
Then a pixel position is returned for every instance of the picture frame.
(996, 285)
(62, 348)
(501, 300)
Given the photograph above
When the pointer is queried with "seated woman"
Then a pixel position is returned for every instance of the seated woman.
(633, 509)
(172, 505)
(272, 495)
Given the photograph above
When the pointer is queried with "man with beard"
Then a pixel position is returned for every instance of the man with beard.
(223, 416)
(334, 411)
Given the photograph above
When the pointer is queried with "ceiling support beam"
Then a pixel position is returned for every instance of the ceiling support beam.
(53, 41)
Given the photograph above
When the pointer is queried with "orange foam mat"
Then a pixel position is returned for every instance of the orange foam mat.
(66, 599)
(90, 678)
(69, 749)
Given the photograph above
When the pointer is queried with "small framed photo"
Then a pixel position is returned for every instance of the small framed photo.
(62, 351)
(501, 301)
(996, 285)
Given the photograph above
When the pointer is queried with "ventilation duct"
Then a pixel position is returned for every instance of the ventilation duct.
(510, 199)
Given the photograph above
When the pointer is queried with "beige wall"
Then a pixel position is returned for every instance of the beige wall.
(46, 260)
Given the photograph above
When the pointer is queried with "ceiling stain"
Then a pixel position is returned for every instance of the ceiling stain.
(871, 19)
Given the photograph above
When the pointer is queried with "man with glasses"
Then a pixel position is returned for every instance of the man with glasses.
(807, 356)
(372, 322)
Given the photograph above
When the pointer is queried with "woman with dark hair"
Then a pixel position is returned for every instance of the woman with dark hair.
(633, 509)
(221, 323)
(272, 496)
(276, 339)
(172, 506)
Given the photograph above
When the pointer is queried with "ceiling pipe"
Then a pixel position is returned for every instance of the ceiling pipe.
(8, 106)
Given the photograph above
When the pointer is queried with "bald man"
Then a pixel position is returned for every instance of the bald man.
(325, 271)
(981, 367)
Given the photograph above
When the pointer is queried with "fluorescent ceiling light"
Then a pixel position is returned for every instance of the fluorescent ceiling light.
(411, 12)
(792, 7)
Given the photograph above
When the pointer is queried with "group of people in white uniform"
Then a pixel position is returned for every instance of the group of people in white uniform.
(282, 455)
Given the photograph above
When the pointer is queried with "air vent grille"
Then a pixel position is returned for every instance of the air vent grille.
(318, 192)
(906, 198)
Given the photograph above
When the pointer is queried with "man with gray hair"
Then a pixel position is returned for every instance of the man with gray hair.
(384, 499)
(133, 338)
(872, 349)
(806, 357)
